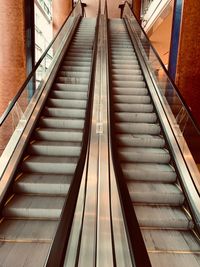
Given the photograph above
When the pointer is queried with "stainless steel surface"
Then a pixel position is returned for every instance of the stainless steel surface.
(96, 243)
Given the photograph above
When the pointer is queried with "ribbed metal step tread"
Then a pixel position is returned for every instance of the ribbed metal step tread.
(69, 95)
(132, 99)
(133, 84)
(27, 230)
(162, 217)
(155, 193)
(72, 80)
(64, 123)
(124, 107)
(135, 117)
(149, 172)
(129, 91)
(53, 134)
(137, 128)
(38, 183)
(134, 140)
(75, 69)
(53, 165)
(127, 77)
(67, 73)
(144, 155)
(70, 87)
(33, 206)
(53, 148)
(66, 103)
(65, 112)
(170, 240)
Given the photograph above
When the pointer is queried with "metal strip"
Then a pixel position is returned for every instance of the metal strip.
(96, 242)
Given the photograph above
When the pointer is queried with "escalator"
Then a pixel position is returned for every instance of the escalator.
(33, 207)
(146, 161)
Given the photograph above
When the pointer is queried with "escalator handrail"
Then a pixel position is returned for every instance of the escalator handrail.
(56, 256)
(182, 100)
(32, 73)
(138, 252)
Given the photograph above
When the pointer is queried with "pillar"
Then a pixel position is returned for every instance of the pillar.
(137, 8)
(12, 53)
(188, 63)
(60, 9)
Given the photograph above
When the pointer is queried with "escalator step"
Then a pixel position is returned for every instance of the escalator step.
(156, 193)
(144, 155)
(38, 183)
(31, 206)
(53, 148)
(53, 165)
(149, 172)
(162, 217)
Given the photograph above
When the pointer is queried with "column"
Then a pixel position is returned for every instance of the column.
(137, 8)
(12, 52)
(60, 9)
(188, 63)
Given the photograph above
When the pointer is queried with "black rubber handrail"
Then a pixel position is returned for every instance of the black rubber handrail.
(32, 73)
(139, 255)
(58, 249)
(182, 100)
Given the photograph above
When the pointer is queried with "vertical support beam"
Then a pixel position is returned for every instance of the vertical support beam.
(137, 8)
(30, 42)
(176, 28)
(61, 9)
(12, 56)
(188, 63)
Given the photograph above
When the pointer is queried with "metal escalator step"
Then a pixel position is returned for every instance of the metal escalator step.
(33, 206)
(124, 57)
(75, 69)
(129, 91)
(124, 107)
(25, 253)
(52, 134)
(137, 128)
(69, 95)
(64, 112)
(63, 123)
(155, 193)
(72, 80)
(149, 172)
(170, 240)
(79, 74)
(70, 87)
(144, 155)
(53, 148)
(75, 63)
(175, 259)
(127, 77)
(125, 53)
(38, 183)
(52, 165)
(135, 117)
(162, 217)
(34, 230)
(129, 84)
(134, 140)
(126, 72)
(124, 62)
(132, 99)
(77, 59)
(66, 103)
(134, 66)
